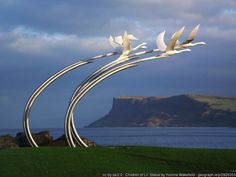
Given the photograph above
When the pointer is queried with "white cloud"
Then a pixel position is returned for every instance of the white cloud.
(39, 43)
(144, 18)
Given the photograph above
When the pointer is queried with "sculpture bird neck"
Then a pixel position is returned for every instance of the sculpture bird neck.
(184, 50)
(198, 43)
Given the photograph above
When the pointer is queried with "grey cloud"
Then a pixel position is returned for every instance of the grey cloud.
(83, 18)
(144, 18)
(34, 43)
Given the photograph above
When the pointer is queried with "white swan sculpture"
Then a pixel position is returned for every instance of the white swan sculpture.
(188, 42)
(122, 45)
(170, 48)
(191, 37)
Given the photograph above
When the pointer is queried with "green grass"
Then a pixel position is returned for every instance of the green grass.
(86, 162)
(223, 103)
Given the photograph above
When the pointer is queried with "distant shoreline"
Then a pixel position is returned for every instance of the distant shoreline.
(105, 127)
(198, 137)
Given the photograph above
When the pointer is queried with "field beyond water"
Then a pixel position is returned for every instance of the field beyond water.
(114, 161)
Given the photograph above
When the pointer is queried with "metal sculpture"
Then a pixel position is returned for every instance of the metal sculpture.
(103, 75)
(126, 60)
(43, 86)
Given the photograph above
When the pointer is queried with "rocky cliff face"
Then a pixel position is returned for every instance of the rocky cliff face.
(182, 110)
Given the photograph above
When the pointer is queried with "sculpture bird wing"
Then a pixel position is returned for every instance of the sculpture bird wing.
(112, 43)
(177, 42)
(119, 40)
(192, 35)
(126, 43)
(132, 37)
(160, 41)
(171, 44)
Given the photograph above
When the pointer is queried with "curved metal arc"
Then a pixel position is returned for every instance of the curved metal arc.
(85, 87)
(42, 87)
(82, 85)
(99, 71)
(148, 59)
(78, 97)
(108, 66)
(75, 134)
(85, 83)
(95, 82)
(119, 60)
(34, 96)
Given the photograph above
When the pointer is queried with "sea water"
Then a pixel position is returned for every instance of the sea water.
(190, 137)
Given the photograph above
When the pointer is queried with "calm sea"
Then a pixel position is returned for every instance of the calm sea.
(209, 137)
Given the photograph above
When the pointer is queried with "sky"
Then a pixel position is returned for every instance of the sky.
(38, 38)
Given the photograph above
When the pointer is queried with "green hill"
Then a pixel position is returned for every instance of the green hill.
(216, 102)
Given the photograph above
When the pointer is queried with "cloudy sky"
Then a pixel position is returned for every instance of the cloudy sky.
(38, 38)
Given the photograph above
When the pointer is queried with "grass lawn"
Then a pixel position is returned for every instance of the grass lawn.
(98, 161)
